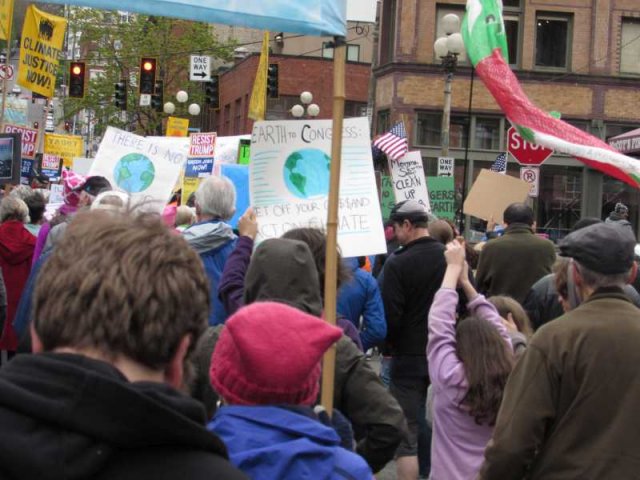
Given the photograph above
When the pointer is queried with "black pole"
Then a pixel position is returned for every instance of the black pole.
(466, 152)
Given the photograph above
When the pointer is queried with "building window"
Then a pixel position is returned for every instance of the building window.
(512, 31)
(552, 40)
(355, 109)
(388, 31)
(442, 11)
(630, 46)
(383, 122)
(353, 51)
(429, 130)
(487, 133)
(237, 119)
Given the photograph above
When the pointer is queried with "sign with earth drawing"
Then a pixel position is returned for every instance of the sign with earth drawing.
(289, 182)
(142, 167)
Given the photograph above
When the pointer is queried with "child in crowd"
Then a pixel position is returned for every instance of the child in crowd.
(516, 320)
(469, 364)
(266, 368)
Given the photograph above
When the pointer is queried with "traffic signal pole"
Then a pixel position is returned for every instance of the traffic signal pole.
(7, 57)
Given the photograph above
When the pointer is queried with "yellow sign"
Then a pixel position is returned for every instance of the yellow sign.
(6, 17)
(64, 146)
(177, 127)
(42, 38)
(189, 185)
(258, 103)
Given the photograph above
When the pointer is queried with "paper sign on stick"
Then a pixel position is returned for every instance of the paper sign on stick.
(144, 169)
(290, 182)
(442, 196)
(409, 182)
(493, 192)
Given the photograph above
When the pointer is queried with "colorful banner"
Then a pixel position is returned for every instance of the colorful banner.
(6, 18)
(40, 47)
(408, 178)
(442, 197)
(144, 169)
(64, 146)
(289, 181)
(177, 127)
(29, 139)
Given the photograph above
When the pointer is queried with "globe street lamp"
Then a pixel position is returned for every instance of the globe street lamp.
(448, 48)
(312, 110)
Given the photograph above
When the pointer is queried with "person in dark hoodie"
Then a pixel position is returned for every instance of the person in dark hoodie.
(118, 307)
(283, 270)
(211, 237)
(266, 367)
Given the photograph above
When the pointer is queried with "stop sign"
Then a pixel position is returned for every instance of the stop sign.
(524, 152)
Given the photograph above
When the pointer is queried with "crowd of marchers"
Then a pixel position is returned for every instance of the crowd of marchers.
(139, 345)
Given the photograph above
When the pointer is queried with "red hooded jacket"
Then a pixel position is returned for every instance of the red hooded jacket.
(16, 250)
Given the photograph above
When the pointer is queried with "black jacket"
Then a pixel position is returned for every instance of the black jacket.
(69, 417)
(410, 279)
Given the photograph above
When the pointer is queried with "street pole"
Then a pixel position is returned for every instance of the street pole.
(446, 115)
(7, 57)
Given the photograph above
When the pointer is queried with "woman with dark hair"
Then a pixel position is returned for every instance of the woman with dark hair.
(468, 366)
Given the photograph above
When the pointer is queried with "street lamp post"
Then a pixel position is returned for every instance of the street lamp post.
(448, 48)
(311, 109)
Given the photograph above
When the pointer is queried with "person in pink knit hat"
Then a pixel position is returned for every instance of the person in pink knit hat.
(266, 368)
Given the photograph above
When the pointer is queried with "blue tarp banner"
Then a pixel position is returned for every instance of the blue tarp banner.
(309, 17)
(239, 176)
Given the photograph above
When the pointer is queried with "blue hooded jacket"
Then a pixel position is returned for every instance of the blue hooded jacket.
(270, 443)
(214, 241)
(361, 297)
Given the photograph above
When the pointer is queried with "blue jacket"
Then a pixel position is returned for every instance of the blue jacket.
(214, 241)
(361, 297)
(270, 443)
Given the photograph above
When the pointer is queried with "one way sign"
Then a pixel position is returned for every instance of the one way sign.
(200, 68)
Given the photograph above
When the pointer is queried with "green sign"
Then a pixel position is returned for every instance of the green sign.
(244, 152)
(442, 197)
(388, 197)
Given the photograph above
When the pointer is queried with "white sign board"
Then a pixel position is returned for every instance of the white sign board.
(361, 11)
(82, 165)
(139, 166)
(145, 100)
(445, 166)
(200, 70)
(289, 182)
(227, 148)
(531, 175)
(409, 183)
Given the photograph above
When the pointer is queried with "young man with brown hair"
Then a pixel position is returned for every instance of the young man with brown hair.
(118, 307)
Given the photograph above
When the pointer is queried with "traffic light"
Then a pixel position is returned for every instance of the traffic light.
(157, 99)
(212, 92)
(76, 80)
(272, 81)
(120, 94)
(147, 75)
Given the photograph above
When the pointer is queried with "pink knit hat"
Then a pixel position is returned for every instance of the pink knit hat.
(269, 354)
(72, 181)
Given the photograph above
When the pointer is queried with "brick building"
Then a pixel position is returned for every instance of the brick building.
(578, 57)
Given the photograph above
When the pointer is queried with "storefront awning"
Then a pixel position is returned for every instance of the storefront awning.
(627, 142)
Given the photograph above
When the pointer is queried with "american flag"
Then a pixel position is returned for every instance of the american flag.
(394, 142)
(500, 165)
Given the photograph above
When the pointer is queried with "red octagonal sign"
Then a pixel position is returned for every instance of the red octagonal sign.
(524, 152)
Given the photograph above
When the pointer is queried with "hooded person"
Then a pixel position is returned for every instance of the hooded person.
(283, 270)
(16, 249)
(266, 367)
(211, 237)
(619, 215)
(566, 407)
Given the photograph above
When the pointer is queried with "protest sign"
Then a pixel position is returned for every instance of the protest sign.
(177, 127)
(227, 148)
(40, 48)
(51, 166)
(10, 161)
(143, 168)
(202, 144)
(388, 199)
(82, 165)
(289, 182)
(26, 170)
(56, 197)
(29, 139)
(239, 176)
(244, 152)
(409, 183)
(442, 197)
(492, 192)
(64, 146)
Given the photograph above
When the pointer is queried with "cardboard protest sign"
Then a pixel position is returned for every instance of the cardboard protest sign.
(239, 176)
(227, 148)
(202, 145)
(177, 127)
(51, 166)
(64, 146)
(244, 152)
(289, 182)
(40, 48)
(10, 161)
(492, 192)
(143, 168)
(388, 198)
(442, 196)
(409, 183)
(29, 139)
(56, 197)
(82, 165)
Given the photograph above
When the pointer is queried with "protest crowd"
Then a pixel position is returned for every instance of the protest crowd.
(139, 345)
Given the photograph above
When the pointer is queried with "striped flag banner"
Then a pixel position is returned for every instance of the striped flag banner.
(394, 142)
